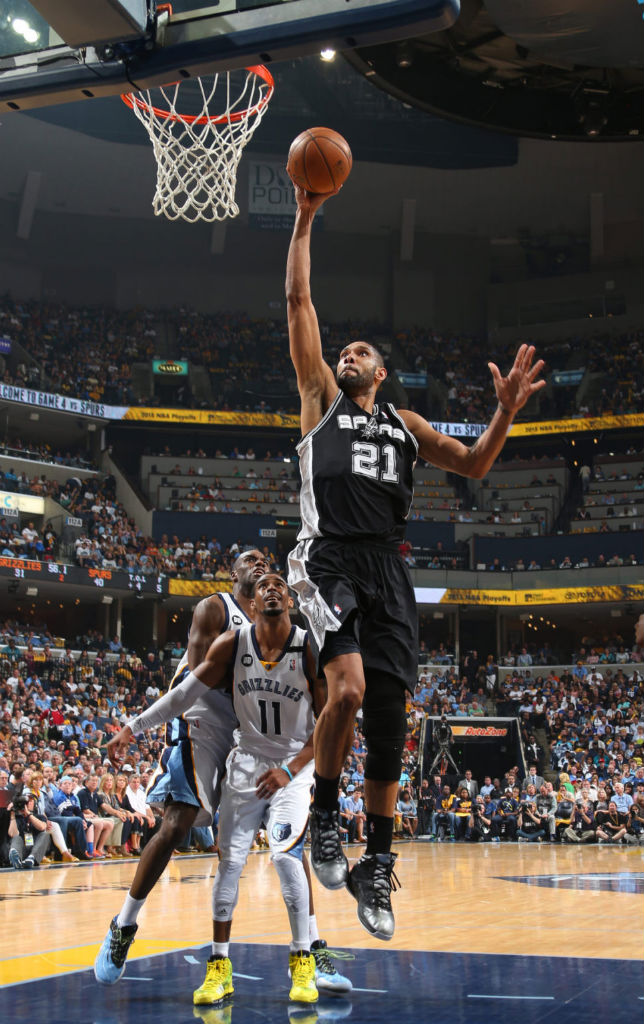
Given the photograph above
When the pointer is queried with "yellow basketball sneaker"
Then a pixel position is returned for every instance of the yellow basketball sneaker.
(217, 983)
(302, 968)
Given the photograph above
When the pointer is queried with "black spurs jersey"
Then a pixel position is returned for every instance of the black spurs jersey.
(357, 474)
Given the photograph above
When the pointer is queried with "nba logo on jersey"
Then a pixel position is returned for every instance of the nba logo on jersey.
(281, 832)
(292, 664)
(337, 609)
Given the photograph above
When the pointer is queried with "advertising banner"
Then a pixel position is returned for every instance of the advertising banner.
(271, 199)
(197, 588)
(210, 418)
(31, 504)
(61, 403)
(170, 367)
(522, 598)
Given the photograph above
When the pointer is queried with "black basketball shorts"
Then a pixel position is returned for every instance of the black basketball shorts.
(357, 596)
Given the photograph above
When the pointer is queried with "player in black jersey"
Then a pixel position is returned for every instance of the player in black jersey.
(356, 461)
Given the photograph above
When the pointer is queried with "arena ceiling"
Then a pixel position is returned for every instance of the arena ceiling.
(556, 69)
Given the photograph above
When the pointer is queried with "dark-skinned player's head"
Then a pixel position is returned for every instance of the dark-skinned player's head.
(246, 570)
(271, 595)
(360, 368)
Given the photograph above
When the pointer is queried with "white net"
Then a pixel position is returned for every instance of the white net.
(198, 152)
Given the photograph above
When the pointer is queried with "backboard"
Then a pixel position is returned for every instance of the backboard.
(59, 51)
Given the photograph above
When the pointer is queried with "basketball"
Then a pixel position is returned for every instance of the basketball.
(319, 160)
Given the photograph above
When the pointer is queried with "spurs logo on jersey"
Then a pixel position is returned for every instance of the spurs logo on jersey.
(272, 700)
(212, 711)
(357, 473)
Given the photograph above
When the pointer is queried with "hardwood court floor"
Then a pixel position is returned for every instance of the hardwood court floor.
(524, 900)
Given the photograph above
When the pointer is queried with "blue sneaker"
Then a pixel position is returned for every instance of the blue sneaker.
(327, 978)
(14, 860)
(109, 965)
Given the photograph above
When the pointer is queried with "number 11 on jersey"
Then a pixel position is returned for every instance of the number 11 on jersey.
(263, 717)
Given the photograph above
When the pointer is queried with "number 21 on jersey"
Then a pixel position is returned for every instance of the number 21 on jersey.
(370, 460)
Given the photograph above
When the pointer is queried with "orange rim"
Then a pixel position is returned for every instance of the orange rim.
(132, 100)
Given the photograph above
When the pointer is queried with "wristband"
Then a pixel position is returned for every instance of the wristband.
(285, 768)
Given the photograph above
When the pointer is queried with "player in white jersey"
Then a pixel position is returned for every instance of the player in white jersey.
(192, 763)
(198, 742)
(269, 770)
(189, 777)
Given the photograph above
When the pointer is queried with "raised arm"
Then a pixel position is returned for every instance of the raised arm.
(210, 674)
(512, 392)
(315, 380)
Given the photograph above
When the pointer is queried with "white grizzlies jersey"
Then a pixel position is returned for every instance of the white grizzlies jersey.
(214, 710)
(273, 700)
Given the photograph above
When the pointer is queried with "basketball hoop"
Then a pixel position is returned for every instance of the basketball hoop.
(198, 153)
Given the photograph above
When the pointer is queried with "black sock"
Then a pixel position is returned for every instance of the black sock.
(379, 833)
(326, 792)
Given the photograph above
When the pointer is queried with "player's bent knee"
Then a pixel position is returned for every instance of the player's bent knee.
(172, 833)
(345, 695)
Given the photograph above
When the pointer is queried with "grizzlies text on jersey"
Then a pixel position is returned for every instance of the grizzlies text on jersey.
(273, 702)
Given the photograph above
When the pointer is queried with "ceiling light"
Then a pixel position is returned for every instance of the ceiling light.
(327, 54)
(24, 29)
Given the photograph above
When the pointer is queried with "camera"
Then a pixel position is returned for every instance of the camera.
(20, 803)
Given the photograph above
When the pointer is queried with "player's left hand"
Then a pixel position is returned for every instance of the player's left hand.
(521, 382)
(119, 745)
(270, 782)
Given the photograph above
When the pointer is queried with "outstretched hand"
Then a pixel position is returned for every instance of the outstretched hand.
(119, 745)
(521, 382)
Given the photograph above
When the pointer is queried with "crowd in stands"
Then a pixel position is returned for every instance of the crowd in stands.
(620, 361)
(604, 508)
(605, 806)
(89, 352)
(57, 711)
(111, 540)
(593, 721)
(85, 353)
(27, 543)
(598, 799)
(59, 707)
(247, 359)
(460, 362)
(119, 547)
(39, 451)
(532, 565)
